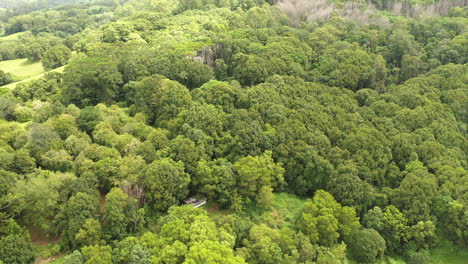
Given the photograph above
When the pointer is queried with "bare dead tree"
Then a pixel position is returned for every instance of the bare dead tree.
(361, 13)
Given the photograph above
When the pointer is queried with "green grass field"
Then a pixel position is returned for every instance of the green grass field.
(285, 210)
(447, 253)
(12, 36)
(444, 253)
(21, 69)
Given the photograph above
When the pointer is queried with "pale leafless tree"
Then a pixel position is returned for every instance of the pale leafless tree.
(361, 13)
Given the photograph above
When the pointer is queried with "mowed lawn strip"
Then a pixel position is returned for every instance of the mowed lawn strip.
(21, 69)
(37, 76)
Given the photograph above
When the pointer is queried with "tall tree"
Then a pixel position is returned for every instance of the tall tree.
(324, 220)
(119, 214)
(166, 183)
(415, 194)
(55, 57)
(161, 99)
(91, 80)
(15, 245)
(253, 173)
(367, 246)
(78, 209)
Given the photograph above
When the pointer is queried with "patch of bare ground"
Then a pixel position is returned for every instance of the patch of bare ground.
(49, 259)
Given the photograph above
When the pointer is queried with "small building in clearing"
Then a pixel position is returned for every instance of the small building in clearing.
(195, 202)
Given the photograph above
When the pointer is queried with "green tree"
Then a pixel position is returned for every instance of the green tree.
(423, 234)
(282, 56)
(173, 253)
(7, 108)
(74, 258)
(374, 219)
(5, 78)
(307, 171)
(41, 139)
(366, 246)
(347, 188)
(188, 232)
(15, 245)
(77, 210)
(253, 173)
(119, 213)
(415, 194)
(268, 245)
(89, 81)
(211, 252)
(190, 73)
(131, 250)
(55, 57)
(114, 32)
(324, 220)
(97, 254)
(457, 222)
(219, 94)
(185, 150)
(23, 163)
(161, 99)
(371, 153)
(57, 160)
(90, 233)
(166, 183)
(265, 197)
(36, 199)
(35, 51)
(217, 180)
(401, 43)
(7, 181)
(353, 69)
(395, 228)
(88, 119)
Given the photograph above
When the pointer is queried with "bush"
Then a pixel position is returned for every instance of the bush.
(5, 78)
(419, 257)
(23, 114)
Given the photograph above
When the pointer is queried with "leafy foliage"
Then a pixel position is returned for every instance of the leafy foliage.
(313, 141)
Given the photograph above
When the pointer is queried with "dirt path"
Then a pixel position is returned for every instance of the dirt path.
(49, 259)
(40, 239)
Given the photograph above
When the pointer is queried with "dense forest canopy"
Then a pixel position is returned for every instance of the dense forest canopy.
(324, 131)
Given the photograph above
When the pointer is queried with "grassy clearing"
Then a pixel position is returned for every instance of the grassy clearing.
(15, 36)
(58, 259)
(48, 253)
(284, 211)
(13, 84)
(447, 253)
(21, 69)
(46, 249)
(214, 211)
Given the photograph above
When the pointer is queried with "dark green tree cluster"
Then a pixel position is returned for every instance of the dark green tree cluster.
(15, 244)
(5, 78)
(50, 33)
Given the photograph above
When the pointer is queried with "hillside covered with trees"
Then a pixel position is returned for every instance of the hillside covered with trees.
(320, 132)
